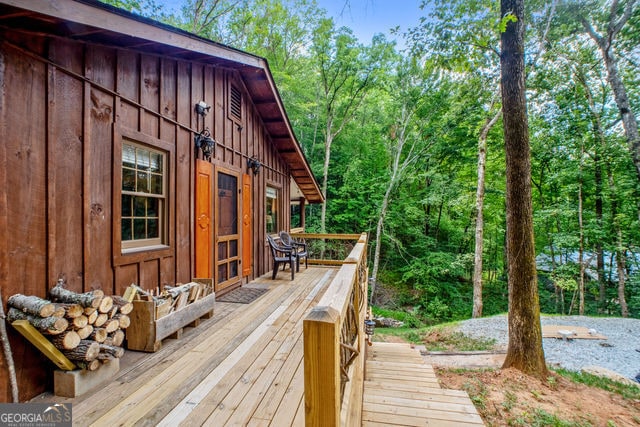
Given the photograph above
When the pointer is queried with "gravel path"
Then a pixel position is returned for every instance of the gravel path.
(622, 334)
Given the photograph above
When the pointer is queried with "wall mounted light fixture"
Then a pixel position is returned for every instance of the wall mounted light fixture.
(204, 142)
(254, 164)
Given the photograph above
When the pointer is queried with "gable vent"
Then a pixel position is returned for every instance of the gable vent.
(235, 103)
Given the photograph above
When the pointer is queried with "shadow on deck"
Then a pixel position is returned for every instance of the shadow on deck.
(243, 366)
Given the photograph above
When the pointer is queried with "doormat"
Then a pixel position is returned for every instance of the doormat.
(242, 295)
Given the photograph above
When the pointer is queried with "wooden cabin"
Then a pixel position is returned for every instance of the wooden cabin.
(134, 152)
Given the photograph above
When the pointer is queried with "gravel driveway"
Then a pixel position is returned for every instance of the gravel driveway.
(619, 354)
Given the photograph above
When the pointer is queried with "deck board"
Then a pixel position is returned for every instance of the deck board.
(400, 389)
(244, 366)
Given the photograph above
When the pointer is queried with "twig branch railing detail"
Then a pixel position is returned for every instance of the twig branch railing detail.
(334, 343)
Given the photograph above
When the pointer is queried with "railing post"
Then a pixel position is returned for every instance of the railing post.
(322, 367)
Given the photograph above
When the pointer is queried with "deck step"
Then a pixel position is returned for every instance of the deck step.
(400, 389)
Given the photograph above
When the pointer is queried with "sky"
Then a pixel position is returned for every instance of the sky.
(368, 17)
(364, 17)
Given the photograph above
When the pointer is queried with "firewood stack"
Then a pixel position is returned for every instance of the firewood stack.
(88, 328)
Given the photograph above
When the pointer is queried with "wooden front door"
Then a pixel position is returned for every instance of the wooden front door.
(204, 220)
(227, 230)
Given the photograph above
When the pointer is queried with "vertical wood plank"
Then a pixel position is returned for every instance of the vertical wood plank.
(204, 220)
(247, 225)
(127, 85)
(149, 94)
(168, 99)
(66, 165)
(5, 387)
(183, 197)
(126, 275)
(150, 274)
(98, 150)
(24, 103)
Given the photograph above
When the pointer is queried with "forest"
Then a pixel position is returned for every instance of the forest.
(406, 141)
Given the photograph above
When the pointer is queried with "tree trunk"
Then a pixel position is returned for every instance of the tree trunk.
(605, 44)
(325, 178)
(581, 239)
(524, 351)
(32, 305)
(479, 235)
(622, 271)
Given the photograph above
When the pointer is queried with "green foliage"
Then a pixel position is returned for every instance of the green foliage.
(541, 418)
(628, 391)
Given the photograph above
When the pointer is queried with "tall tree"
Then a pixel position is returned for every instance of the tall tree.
(346, 71)
(524, 351)
(619, 14)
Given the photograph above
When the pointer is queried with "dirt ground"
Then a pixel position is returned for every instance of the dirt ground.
(508, 397)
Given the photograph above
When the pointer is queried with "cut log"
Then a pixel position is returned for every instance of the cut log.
(99, 335)
(178, 290)
(117, 337)
(113, 312)
(85, 332)
(66, 341)
(111, 350)
(88, 299)
(111, 325)
(88, 311)
(124, 306)
(46, 325)
(123, 320)
(94, 365)
(60, 312)
(86, 351)
(100, 320)
(80, 322)
(71, 311)
(91, 318)
(32, 305)
(98, 293)
(105, 305)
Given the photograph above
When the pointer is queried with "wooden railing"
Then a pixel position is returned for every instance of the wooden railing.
(334, 343)
(327, 249)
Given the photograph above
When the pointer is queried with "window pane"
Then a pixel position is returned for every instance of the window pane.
(143, 182)
(233, 248)
(126, 229)
(222, 273)
(139, 229)
(272, 210)
(233, 269)
(152, 207)
(156, 162)
(128, 156)
(156, 184)
(143, 159)
(128, 180)
(139, 206)
(222, 251)
(152, 229)
(127, 202)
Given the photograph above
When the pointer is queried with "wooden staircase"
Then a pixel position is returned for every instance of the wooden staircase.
(400, 389)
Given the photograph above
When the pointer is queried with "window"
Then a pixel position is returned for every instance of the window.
(272, 210)
(144, 177)
(296, 214)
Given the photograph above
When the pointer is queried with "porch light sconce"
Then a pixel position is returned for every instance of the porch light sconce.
(204, 142)
(254, 164)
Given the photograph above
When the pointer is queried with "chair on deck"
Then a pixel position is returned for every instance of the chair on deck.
(281, 255)
(299, 249)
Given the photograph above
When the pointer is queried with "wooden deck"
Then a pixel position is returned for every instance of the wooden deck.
(401, 390)
(244, 367)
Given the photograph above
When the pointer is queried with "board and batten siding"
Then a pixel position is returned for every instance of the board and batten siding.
(63, 107)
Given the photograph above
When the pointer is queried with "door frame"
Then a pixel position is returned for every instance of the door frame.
(216, 234)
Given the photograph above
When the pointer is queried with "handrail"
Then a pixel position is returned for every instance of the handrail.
(318, 246)
(334, 346)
